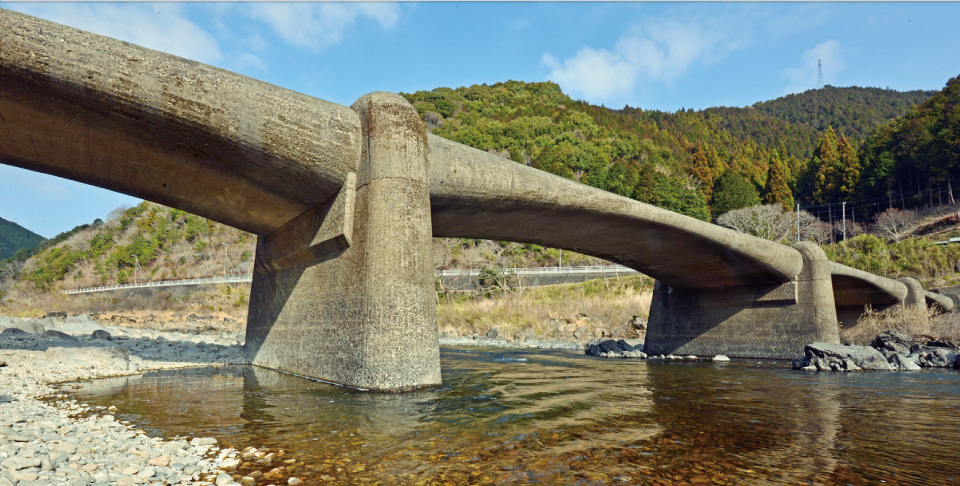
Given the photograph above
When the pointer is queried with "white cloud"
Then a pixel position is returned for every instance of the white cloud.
(804, 77)
(319, 25)
(657, 52)
(161, 26)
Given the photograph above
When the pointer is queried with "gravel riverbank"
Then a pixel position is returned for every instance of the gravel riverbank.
(48, 439)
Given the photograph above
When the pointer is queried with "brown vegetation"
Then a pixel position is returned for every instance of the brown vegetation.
(602, 307)
(922, 324)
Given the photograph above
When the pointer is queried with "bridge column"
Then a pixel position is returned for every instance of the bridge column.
(915, 295)
(344, 293)
(756, 321)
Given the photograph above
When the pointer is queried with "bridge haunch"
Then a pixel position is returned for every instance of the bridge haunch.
(323, 231)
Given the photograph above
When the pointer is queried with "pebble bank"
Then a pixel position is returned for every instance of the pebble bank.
(48, 439)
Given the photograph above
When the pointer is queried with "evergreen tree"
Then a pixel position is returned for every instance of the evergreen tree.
(778, 190)
(825, 168)
(701, 172)
(733, 191)
(849, 169)
(668, 192)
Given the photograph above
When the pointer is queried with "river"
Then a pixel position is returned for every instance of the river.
(511, 416)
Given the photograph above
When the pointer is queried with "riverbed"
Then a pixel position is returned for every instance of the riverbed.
(515, 416)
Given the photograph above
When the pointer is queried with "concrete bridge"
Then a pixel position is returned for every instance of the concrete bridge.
(345, 200)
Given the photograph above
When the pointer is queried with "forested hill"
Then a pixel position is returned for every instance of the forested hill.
(13, 237)
(680, 160)
(916, 156)
(852, 111)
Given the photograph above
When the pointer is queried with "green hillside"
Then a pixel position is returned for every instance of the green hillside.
(14, 237)
(852, 111)
(915, 160)
(672, 160)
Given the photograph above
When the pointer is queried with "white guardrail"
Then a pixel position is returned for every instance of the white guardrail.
(612, 270)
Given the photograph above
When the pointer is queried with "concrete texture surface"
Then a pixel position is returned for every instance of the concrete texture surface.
(916, 296)
(364, 316)
(755, 321)
(236, 150)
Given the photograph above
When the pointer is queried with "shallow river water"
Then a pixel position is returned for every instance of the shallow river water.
(509, 416)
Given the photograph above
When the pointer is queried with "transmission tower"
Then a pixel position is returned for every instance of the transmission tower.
(819, 75)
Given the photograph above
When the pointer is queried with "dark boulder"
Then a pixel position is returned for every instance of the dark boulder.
(101, 334)
(50, 333)
(625, 346)
(609, 346)
(894, 341)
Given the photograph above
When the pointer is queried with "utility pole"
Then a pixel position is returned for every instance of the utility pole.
(844, 221)
(224, 259)
(798, 222)
(136, 265)
(78, 275)
(560, 265)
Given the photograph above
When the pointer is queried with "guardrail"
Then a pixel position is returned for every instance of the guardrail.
(601, 269)
(166, 283)
(612, 270)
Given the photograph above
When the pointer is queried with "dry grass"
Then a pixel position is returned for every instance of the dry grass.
(597, 307)
(920, 323)
(225, 300)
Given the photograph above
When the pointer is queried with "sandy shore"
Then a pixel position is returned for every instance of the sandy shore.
(48, 439)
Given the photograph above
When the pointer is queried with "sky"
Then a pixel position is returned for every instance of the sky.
(661, 55)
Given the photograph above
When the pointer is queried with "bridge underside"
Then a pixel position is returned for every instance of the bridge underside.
(346, 199)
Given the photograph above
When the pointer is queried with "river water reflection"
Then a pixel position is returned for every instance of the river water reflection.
(558, 417)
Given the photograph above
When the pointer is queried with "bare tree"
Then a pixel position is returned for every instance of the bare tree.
(894, 224)
(856, 229)
(771, 222)
(768, 221)
(817, 231)
(114, 216)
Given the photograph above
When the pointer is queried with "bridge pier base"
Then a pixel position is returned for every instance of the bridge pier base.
(344, 293)
(757, 321)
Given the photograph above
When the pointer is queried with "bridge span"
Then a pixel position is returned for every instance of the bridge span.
(345, 200)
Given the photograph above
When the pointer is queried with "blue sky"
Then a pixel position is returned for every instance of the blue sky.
(661, 55)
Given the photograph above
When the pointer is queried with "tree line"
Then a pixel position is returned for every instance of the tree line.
(700, 163)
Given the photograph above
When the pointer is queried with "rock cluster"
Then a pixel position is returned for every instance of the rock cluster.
(608, 348)
(889, 351)
(58, 441)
